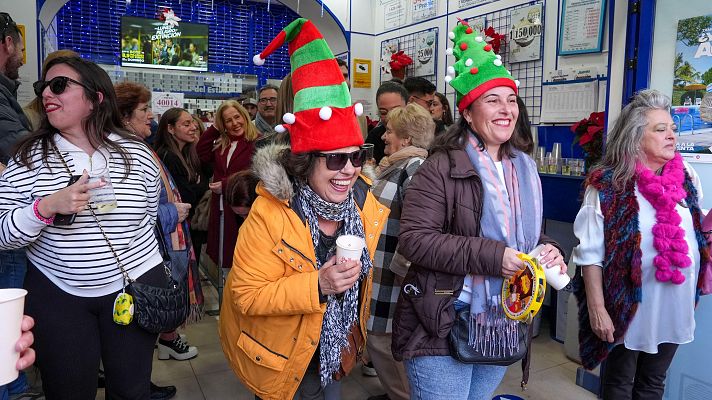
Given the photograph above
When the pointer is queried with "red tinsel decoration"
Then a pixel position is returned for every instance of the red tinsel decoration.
(400, 60)
(494, 39)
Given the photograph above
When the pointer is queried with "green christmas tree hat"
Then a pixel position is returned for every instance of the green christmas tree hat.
(324, 118)
(478, 69)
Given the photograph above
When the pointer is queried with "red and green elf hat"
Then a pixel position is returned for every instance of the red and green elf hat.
(478, 69)
(324, 118)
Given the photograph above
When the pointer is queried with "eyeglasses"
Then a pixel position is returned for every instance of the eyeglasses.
(337, 161)
(264, 100)
(57, 85)
(429, 103)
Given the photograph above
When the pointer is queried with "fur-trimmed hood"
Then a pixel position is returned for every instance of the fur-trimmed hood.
(266, 166)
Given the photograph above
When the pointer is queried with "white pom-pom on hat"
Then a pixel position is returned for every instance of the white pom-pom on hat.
(478, 39)
(448, 78)
(358, 109)
(468, 62)
(497, 62)
(289, 118)
(280, 129)
(448, 51)
(325, 113)
(497, 56)
(516, 82)
(450, 70)
(258, 60)
(451, 35)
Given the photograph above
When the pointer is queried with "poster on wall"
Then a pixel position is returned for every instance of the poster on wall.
(471, 3)
(425, 54)
(163, 101)
(581, 26)
(424, 9)
(362, 73)
(692, 88)
(394, 14)
(388, 48)
(525, 34)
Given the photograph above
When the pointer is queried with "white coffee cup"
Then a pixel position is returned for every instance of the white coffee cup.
(349, 247)
(553, 275)
(12, 305)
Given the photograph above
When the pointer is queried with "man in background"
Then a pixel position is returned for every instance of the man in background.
(389, 95)
(420, 91)
(250, 105)
(266, 118)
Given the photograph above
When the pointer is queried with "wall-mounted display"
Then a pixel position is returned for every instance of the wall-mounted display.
(170, 43)
(581, 26)
(692, 87)
(362, 73)
(394, 14)
(425, 53)
(424, 9)
(525, 34)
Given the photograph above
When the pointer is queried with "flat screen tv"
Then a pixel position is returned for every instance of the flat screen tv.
(172, 44)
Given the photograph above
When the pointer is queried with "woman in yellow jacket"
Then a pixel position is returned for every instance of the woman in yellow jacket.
(293, 318)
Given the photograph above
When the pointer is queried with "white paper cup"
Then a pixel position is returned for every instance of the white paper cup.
(349, 247)
(553, 275)
(12, 305)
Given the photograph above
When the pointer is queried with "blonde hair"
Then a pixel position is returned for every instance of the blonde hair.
(414, 122)
(251, 133)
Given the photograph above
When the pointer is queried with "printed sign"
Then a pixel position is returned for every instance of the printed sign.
(362, 73)
(163, 101)
(471, 3)
(692, 88)
(525, 34)
(424, 9)
(394, 14)
(425, 53)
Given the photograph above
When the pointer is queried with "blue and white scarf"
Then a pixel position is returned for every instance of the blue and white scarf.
(341, 313)
(511, 213)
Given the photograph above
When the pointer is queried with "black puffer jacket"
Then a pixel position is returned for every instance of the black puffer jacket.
(13, 122)
(440, 235)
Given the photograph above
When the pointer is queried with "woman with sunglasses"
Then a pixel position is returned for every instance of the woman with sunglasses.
(293, 317)
(227, 147)
(73, 277)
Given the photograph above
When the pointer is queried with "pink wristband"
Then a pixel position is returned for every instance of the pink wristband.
(35, 208)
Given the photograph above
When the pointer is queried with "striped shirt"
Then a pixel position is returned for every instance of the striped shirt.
(76, 257)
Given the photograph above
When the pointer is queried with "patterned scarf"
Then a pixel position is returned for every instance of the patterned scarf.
(503, 219)
(341, 314)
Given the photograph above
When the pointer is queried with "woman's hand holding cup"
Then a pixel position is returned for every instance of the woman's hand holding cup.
(70, 200)
(337, 278)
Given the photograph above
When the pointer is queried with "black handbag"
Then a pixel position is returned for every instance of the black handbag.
(156, 308)
(466, 353)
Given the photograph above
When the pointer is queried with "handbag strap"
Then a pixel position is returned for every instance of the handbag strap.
(160, 239)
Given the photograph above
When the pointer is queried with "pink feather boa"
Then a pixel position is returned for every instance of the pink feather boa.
(664, 192)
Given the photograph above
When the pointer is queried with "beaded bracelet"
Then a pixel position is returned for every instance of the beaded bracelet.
(35, 208)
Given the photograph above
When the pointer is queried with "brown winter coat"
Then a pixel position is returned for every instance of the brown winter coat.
(440, 235)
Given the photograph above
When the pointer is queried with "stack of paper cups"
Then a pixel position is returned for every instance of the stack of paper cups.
(12, 305)
(553, 275)
(349, 247)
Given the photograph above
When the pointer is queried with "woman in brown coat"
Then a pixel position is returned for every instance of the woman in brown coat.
(471, 208)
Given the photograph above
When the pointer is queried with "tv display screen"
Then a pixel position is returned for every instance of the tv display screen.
(157, 44)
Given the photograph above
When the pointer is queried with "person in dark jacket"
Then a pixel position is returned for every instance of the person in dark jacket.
(389, 95)
(471, 208)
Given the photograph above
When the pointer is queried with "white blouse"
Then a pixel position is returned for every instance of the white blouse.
(666, 312)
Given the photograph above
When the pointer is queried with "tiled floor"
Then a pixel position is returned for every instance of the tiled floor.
(208, 376)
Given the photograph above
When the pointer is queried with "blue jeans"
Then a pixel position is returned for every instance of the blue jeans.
(432, 376)
(13, 267)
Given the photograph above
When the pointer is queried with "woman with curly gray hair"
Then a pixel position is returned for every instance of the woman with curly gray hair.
(643, 256)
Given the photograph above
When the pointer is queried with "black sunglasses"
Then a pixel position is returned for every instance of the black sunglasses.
(57, 85)
(337, 161)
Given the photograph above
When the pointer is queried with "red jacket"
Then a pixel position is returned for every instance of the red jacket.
(241, 160)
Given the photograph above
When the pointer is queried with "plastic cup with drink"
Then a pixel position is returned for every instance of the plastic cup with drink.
(12, 305)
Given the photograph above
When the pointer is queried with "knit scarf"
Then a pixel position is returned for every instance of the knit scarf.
(511, 213)
(663, 192)
(405, 153)
(263, 126)
(341, 313)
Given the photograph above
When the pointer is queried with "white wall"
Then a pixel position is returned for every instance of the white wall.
(25, 15)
